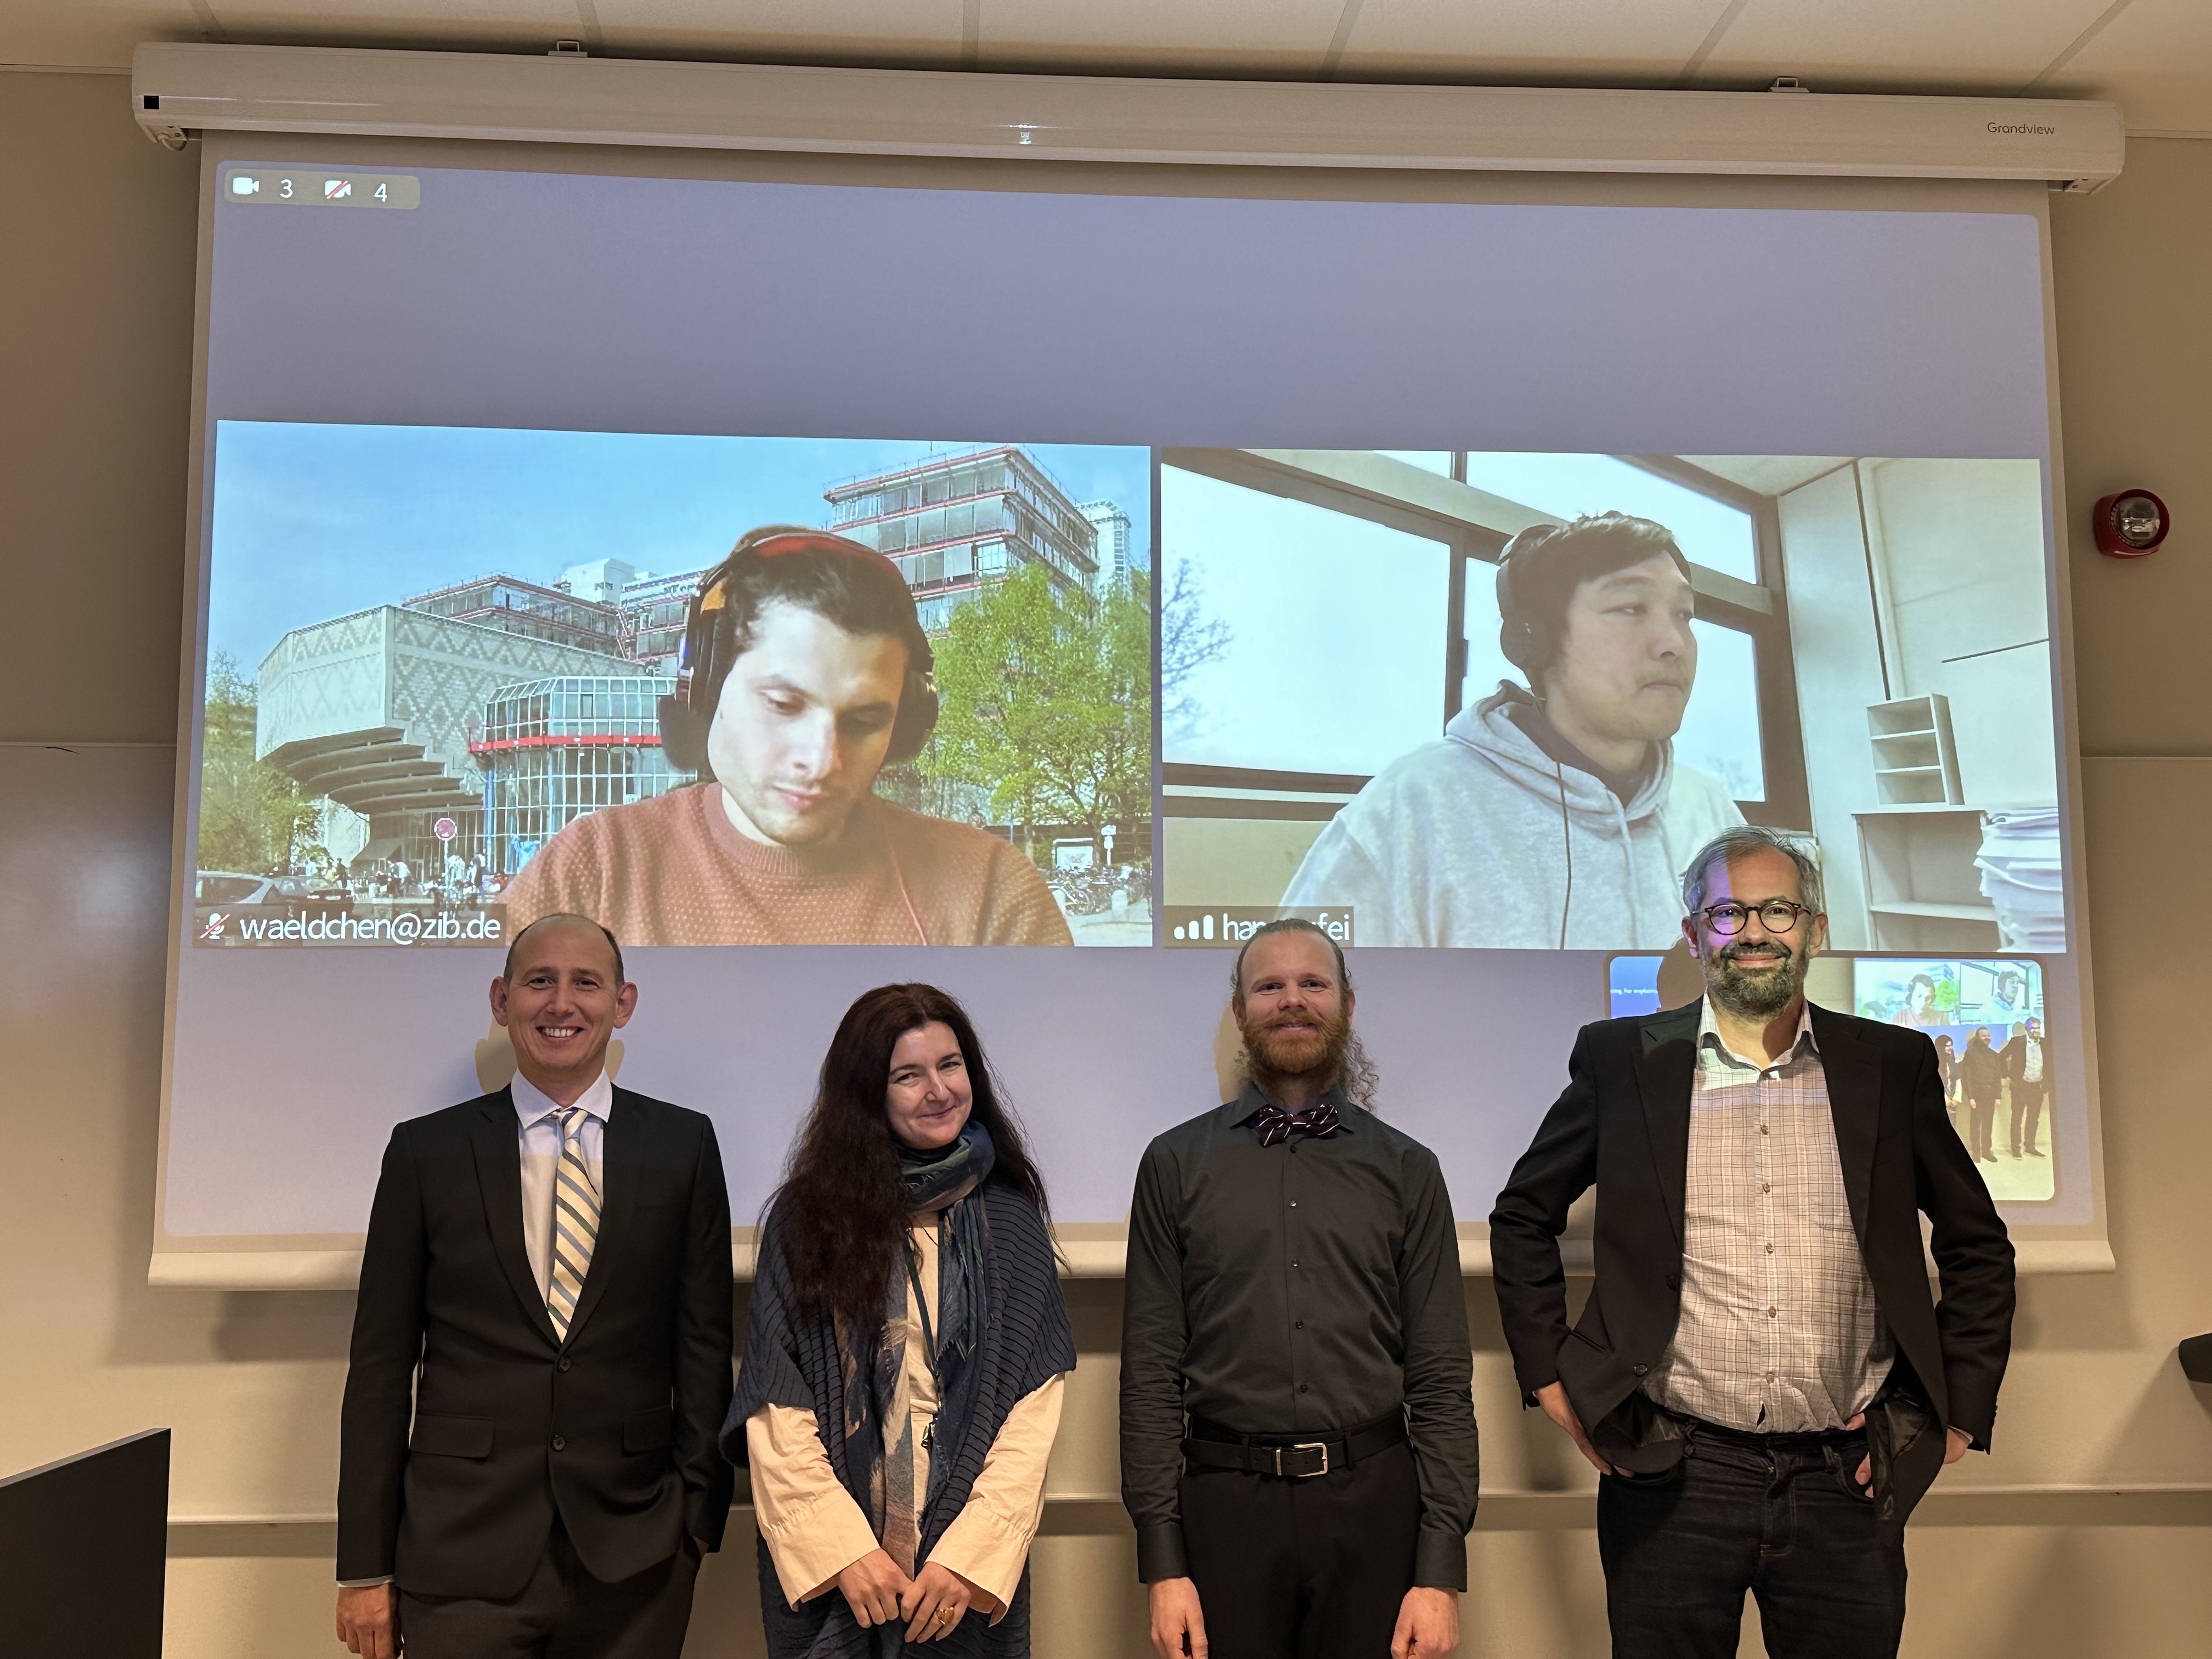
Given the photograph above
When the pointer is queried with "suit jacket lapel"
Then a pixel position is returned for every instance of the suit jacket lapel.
(1666, 1071)
(499, 1173)
(619, 1158)
(1854, 1075)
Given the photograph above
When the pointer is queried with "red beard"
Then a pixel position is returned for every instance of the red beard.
(1276, 1054)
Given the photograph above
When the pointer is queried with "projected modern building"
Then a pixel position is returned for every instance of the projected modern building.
(1110, 524)
(956, 524)
(376, 711)
(518, 607)
(555, 749)
(653, 609)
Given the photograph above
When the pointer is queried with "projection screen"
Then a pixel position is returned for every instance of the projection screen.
(1198, 479)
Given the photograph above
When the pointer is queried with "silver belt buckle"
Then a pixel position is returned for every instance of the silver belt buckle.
(1321, 1446)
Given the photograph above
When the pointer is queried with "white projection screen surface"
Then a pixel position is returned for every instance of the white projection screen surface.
(1198, 480)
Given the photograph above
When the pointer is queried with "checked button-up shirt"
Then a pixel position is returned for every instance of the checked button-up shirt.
(1779, 1332)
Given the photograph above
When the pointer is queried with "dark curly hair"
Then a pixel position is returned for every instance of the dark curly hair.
(839, 1216)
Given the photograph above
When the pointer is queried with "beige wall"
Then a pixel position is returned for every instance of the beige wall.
(2093, 1558)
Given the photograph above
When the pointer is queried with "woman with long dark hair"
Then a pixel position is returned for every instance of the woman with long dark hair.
(1947, 1072)
(903, 1363)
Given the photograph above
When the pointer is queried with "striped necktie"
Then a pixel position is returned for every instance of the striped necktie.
(576, 1222)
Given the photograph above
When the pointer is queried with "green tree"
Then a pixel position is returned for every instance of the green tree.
(1046, 702)
(253, 817)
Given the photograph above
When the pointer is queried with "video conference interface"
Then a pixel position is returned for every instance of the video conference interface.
(441, 712)
(1149, 629)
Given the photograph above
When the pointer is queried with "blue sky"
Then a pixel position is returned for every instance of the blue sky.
(315, 521)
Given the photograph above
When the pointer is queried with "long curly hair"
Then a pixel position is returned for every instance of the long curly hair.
(838, 1214)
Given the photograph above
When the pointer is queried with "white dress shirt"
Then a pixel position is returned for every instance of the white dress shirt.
(538, 1120)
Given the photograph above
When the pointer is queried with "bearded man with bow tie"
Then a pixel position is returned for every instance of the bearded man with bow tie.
(1297, 1429)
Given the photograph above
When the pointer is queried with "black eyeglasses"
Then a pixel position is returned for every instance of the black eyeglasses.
(1777, 915)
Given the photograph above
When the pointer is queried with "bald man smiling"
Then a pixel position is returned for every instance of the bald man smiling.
(541, 1349)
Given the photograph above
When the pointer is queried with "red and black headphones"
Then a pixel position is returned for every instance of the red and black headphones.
(710, 650)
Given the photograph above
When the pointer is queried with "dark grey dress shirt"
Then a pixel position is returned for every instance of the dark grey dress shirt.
(1309, 1286)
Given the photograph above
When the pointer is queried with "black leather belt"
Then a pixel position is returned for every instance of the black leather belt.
(1212, 1446)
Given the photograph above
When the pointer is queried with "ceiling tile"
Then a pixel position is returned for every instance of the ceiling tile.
(430, 24)
(1288, 38)
(1871, 46)
(890, 32)
(2155, 61)
(1599, 42)
(90, 34)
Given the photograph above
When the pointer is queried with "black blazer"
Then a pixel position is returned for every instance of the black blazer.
(1623, 1125)
(2015, 1056)
(613, 1429)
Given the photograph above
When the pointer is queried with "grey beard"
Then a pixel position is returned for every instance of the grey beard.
(1750, 996)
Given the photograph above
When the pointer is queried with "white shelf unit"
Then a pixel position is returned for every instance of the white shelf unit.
(1916, 761)
(1924, 891)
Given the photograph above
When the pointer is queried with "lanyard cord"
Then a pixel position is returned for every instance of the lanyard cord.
(921, 1301)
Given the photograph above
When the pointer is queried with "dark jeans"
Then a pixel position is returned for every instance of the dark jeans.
(1981, 1117)
(1304, 1569)
(1776, 1515)
(2026, 1106)
(563, 1613)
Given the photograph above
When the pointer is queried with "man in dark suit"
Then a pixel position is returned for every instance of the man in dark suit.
(546, 1294)
(2027, 1069)
(1768, 1385)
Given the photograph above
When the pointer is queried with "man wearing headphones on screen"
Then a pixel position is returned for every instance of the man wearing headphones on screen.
(806, 671)
(1552, 815)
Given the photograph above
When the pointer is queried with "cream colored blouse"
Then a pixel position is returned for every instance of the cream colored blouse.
(813, 1528)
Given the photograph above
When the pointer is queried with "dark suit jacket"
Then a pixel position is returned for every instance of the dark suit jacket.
(613, 1429)
(1623, 1125)
(2014, 1056)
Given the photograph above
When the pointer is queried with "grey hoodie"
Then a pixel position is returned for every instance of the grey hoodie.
(1469, 840)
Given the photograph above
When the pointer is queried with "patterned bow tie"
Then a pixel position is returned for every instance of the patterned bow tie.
(1275, 1124)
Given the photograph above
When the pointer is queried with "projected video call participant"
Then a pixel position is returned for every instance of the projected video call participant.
(806, 671)
(1767, 1386)
(1919, 1007)
(906, 1351)
(546, 1293)
(1293, 1285)
(2028, 1078)
(1555, 814)
(2008, 1003)
(1981, 1077)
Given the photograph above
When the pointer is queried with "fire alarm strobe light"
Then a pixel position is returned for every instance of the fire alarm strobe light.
(2130, 524)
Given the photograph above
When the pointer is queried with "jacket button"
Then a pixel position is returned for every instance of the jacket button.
(559, 1444)
(1674, 1281)
(564, 1363)
(1641, 1370)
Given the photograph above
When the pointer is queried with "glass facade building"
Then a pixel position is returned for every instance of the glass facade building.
(553, 750)
(514, 606)
(654, 609)
(956, 524)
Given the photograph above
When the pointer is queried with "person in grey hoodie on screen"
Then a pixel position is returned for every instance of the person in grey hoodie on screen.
(1551, 815)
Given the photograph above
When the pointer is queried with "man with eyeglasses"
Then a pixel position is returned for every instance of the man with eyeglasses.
(1767, 1385)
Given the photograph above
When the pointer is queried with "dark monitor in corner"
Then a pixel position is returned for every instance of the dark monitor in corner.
(84, 1548)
